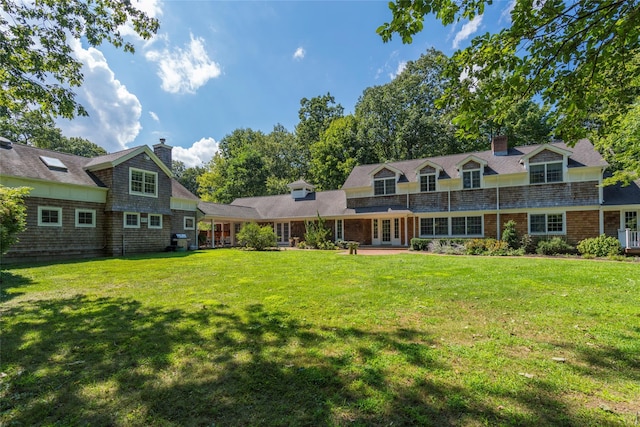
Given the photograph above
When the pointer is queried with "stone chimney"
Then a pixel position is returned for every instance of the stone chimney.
(499, 145)
(163, 151)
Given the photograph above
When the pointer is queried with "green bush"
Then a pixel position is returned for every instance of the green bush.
(510, 235)
(491, 247)
(554, 246)
(253, 236)
(527, 244)
(601, 246)
(419, 244)
(447, 246)
(316, 234)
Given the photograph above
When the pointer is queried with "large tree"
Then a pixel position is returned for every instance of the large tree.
(580, 58)
(38, 66)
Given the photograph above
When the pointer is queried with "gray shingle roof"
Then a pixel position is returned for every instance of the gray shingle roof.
(325, 203)
(227, 211)
(618, 195)
(583, 154)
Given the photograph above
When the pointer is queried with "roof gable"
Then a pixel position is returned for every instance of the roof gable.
(546, 147)
(112, 160)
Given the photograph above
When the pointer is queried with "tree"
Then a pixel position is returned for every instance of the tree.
(39, 130)
(621, 147)
(188, 177)
(13, 215)
(253, 236)
(38, 67)
(580, 59)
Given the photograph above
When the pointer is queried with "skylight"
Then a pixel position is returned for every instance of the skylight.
(52, 162)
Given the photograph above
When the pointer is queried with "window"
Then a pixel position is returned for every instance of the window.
(189, 223)
(428, 183)
(131, 220)
(466, 226)
(471, 178)
(434, 226)
(546, 223)
(384, 186)
(442, 226)
(49, 216)
(375, 228)
(143, 183)
(155, 221)
(631, 220)
(396, 228)
(545, 172)
(339, 229)
(85, 218)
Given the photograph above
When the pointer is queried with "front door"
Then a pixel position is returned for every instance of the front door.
(386, 231)
(282, 232)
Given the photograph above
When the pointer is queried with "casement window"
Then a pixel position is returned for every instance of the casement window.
(49, 216)
(396, 228)
(466, 226)
(384, 186)
(543, 173)
(143, 183)
(131, 220)
(189, 223)
(631, 220)
(155, 221)
(85, 218)
(339, 229)
(375, 229)
(428, 182)
(471, 178)
(546, 223)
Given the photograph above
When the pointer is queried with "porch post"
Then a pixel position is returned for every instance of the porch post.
(213, 233)
(627, 233)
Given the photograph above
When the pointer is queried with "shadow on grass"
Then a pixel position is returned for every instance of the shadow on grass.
(9, 280)
(111, 361)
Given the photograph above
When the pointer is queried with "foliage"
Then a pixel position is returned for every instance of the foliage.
(39, 67)
(13, 215)
(580, 59)
(253, 236)
(447, 246)
(34, 128)
(187, 176)
(601, 246)
(420, 244)
(554, 246)
(510, 235)
(528, 244)
(491, 247)
(316, 234)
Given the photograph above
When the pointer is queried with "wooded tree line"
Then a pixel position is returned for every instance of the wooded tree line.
(580, 61)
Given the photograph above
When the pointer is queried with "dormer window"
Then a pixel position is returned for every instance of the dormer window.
(543, 173)
(428, 182)
(143, 183)
(471, 178)
(384, 186)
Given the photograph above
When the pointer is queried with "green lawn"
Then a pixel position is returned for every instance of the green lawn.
(233, 338)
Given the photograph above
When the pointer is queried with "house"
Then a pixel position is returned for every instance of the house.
(548, 190)
(119, 203)
(128, 202)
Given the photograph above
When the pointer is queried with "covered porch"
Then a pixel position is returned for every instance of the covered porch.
(630, 241)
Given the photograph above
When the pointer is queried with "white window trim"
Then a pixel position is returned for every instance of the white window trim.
(466, 226)
(49, 224)
(93, 218)
(395, 186)
(564, 172)
(142, 193)
(157, 227)
(184, 223)
(425, 175)
(340, 229)
(479, 170)
(622, 218)
(450, 227)
(546, 224)
(124, 219)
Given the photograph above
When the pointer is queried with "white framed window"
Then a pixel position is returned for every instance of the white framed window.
(339, 229)
(428, 183)
(384, 186)
(131, 220)
(547, 223)
(630, 220)
(471, 178)
(49, 216)
(189, 223)
(543, 173)
(375, 228)
(434, 227)
(86, 218)
(143, 183)
(155, 221)
(466, 226)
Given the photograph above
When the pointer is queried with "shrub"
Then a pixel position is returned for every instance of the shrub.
(601, 246)
(490, 247)
(527, 244)
(447, 246)
(316, 234)
(251, 235)
(554, 246)
(510, 235)
(418, 244)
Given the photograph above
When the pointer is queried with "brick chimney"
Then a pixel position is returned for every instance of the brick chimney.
(163, 151)
(499, 145)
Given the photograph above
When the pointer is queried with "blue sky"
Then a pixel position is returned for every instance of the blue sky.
(216, 66)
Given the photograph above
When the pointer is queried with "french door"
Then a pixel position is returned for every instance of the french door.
(386, 231)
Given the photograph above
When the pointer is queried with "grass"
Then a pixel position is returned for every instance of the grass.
(231, 338)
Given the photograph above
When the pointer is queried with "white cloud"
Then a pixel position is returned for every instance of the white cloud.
(505, 16)
(184, 70)
(467, 30)
(198, 154)
(114, 112)
(154, 116)
(401, 66)
(153, 9)
(299, 53)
